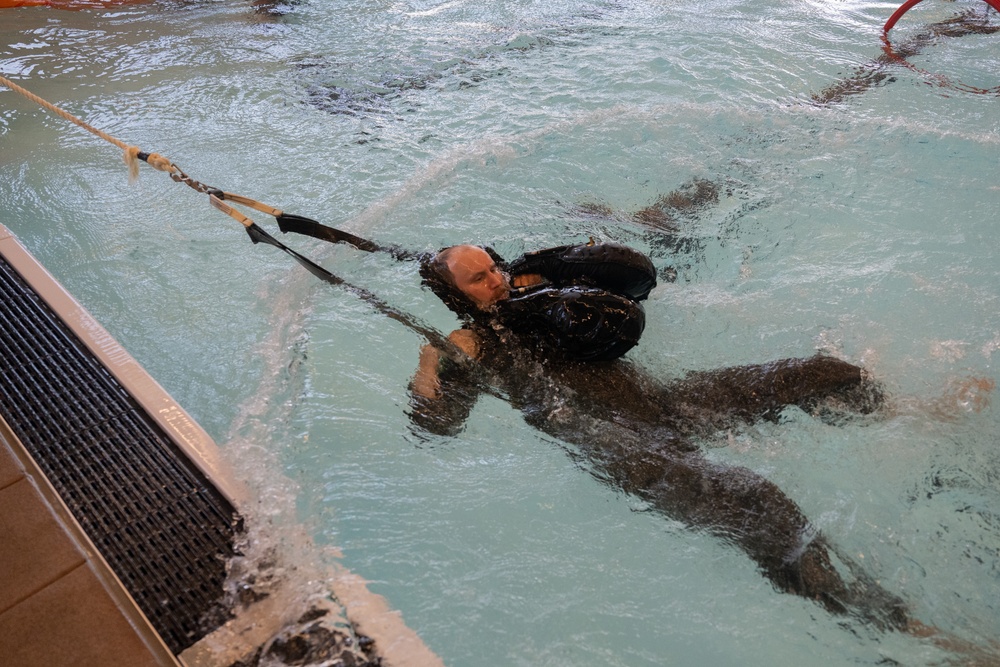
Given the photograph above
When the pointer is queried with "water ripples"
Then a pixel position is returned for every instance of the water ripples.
(862, 227)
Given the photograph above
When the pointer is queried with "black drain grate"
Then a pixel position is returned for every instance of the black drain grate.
(164, 529)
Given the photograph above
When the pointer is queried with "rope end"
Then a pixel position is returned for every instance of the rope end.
(131, 158)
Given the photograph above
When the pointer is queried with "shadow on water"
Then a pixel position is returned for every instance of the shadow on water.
(338, 90)
(668, 224)
(274, 8)
(879, 72)
(678, 227)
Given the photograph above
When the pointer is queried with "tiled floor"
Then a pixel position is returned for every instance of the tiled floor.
(59, 606)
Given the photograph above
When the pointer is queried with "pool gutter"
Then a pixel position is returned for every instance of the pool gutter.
(185, 432)
(256, 625)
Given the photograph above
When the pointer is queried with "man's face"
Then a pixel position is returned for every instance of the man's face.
(477, 276)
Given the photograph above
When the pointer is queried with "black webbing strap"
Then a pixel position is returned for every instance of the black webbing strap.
(308, 227)
(298, 224)
(432, 335)
(258, 235)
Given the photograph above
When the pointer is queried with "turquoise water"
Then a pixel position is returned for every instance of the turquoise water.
(864, 229)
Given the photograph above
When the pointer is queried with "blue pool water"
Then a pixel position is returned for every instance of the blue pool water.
(864, 229)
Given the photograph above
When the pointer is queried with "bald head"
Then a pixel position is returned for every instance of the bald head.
(472, 271)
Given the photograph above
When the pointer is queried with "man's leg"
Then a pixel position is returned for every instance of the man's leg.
(749, 393)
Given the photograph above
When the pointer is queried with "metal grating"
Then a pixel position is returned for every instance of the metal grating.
(160, 524)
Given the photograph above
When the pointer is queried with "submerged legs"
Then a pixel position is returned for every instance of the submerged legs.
(738, 504)
(714, 399)
(752, 513)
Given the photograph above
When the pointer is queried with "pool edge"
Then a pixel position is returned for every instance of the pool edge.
(395, 642)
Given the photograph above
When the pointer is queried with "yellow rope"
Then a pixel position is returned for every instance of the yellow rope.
(131, 153)
(155, 160)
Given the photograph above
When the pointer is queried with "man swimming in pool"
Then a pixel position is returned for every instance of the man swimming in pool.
(638, 433)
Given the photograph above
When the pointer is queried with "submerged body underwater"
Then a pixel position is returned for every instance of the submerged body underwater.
(797, 192)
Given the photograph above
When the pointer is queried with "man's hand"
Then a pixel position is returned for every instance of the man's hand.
(426, 382)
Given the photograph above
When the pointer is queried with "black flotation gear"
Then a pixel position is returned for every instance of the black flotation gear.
(586, 309)
(576, 322)
(610, 266)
